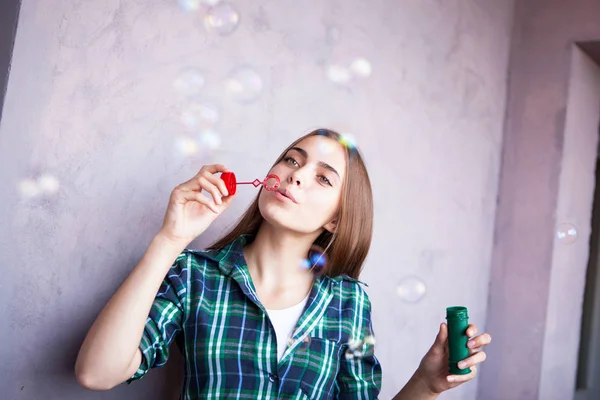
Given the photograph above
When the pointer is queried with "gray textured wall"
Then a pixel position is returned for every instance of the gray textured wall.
(536, 286)
(91, 145)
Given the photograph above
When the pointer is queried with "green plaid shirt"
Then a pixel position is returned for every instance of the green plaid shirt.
(209, 306)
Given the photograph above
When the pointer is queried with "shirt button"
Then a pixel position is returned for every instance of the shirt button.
(273, 377)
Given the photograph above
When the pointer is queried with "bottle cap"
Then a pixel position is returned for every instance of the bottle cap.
(230, 182)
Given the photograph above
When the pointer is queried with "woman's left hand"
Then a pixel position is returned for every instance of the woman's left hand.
(433, 370)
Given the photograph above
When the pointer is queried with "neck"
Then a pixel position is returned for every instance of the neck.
(275, 258)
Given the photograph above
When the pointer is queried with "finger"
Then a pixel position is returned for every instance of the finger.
(462, 378)
(472, 330)
(441, 340)
(472, 360)
(479, 341)
(200, 198)
(219, 183)
(211, 188)
(190, 185)
(227, 200)
(193, 183)
(442, 334)
(213, 169)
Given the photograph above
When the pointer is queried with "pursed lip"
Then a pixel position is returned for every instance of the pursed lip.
(287, 194)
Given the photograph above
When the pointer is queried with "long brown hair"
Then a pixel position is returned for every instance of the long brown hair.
(346, 248)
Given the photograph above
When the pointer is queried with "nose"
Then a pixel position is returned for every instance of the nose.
(294, 178)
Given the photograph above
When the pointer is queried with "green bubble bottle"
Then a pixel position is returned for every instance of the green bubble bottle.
(458, 321)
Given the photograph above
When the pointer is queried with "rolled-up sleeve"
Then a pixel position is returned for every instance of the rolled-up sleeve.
(360, 374)
(165, 319)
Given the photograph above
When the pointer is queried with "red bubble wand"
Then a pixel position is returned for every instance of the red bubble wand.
(271, 182)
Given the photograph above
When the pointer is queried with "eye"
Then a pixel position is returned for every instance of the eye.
(290, 160)
(324, 179)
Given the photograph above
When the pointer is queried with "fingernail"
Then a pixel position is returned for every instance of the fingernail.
(471, 343)
(450, 379)
(462, 365)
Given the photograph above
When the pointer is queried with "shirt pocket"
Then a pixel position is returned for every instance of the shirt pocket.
(321, 366)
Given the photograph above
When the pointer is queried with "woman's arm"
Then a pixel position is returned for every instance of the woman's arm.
(110, 352)
(415, 389)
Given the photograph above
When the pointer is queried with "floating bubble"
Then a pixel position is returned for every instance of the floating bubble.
(223, 19)
(315, 261)
(338, 74)
(361, 346)
(29, 188)
(361, 67)
(189, 82)
(304, 343)
(305, 263)
(411, 289)
(186, 146)
(199, 116)
(244, 84)
(566, 233)
(326, 146)
(44, 184)
(209, 139)
(48, 184)
(348, 141)
(189, 5)
(343, 73)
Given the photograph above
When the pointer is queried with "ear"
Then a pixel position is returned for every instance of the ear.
(331, 226)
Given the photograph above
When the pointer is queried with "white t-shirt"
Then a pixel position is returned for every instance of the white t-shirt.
(284, 321)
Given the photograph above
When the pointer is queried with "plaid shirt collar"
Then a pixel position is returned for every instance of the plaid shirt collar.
(232, 263)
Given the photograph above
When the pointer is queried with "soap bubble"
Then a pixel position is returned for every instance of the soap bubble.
(199, 116)
(326, 146)
(339, 74)
(44, 184)
(360, 346)
(343, 73)
(411, 289)
(315, 261)
(48, 183)
(566, 233)
(244, 84)
(189, 82)
(193, 5)
(186, 146)
(189, 5)
(209, 139)
(348, 141)
(222, 18)
(361, 67)
(28, 188)
(304, 343)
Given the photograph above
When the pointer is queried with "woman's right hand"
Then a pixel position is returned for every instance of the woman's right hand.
(191, 212)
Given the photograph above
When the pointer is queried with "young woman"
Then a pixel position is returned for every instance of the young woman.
(251, 318)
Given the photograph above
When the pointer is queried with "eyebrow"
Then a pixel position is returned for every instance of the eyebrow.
(320, 163)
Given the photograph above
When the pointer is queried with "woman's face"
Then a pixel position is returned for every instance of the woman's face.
(311, 175)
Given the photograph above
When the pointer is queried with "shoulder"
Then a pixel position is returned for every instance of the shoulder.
(352, 292)
(192, 260)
